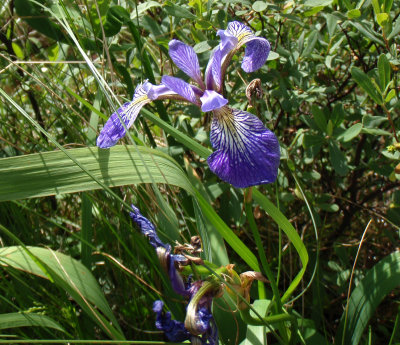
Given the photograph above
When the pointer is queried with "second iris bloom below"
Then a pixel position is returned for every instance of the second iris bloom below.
(246, 152)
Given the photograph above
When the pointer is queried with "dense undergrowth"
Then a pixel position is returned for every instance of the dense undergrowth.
(328, 227)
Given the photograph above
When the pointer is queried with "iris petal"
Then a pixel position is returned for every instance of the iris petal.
(181, 87)
(114, 130)
(156, 91)
(228, 41)
(213, 71)
(174, 330)
(186, 59)
(212, 100)
(147, 228)
(256, 53)
(247, 153)
(257, 48)
(176, 280)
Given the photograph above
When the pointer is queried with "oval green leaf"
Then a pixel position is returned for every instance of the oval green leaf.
(350, 133)
(260, 6)
(355, 13)
(363, 80)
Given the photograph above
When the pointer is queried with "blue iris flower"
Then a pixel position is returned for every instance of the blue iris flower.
(203, 330)
(246, 152)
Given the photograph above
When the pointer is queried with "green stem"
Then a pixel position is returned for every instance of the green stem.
(203, 270)
(261, 254)
(265, 265)
(395, 328)
(280, 318)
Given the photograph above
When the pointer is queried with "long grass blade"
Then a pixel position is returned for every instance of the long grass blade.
(14, 320)
(379, 281)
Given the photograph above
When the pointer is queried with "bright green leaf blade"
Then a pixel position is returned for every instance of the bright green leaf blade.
(375, 6)
(51, 173)
(365, 298)
(213, 242)
(18, 51)
(382, 19)
(181, 137)
(230, 325)
(390, 95)
(291, 233)
(14, 320)
(384, 70)
(363, 80)
(387, 5)
(350, 133)
(237, 245)
(257, 335)
(352, 14)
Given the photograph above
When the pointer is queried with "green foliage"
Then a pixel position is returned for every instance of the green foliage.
(330, 94)
(15, 320)
(365, 298)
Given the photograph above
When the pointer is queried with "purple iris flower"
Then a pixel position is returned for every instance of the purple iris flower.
(246, 152)
(203, 330)
(174, 330)
(163, 251)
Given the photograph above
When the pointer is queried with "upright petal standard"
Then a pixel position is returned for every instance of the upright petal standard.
(247, 153)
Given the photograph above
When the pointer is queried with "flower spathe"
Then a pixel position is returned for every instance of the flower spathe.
(246, 152)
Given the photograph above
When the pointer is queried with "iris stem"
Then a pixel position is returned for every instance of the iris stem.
(261, 253)
(263, 258)
(250, 320)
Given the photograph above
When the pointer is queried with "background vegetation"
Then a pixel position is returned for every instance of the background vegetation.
(329, 226)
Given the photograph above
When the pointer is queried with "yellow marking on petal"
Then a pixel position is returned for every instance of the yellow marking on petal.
(226, 118)
(140, 99)
(243, 38)
(243, 35)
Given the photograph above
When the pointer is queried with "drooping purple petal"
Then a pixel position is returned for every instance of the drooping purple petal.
(256, 53)
(176, 280)
(114, 130)
(181, 87)
(212, 100)
(247, 153)
(174, 330)
(186, 59)
(257, 48)
(147, 228)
